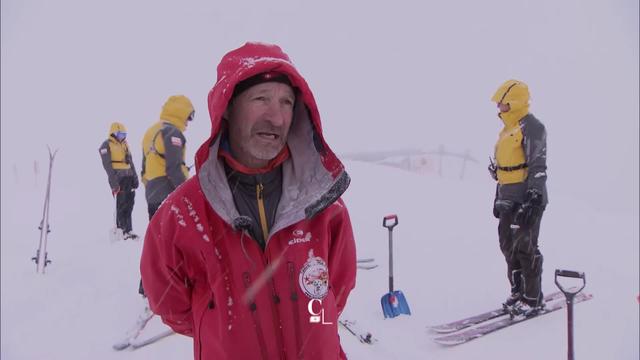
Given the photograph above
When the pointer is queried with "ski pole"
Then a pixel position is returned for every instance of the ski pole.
(48, 206)
(569, 297)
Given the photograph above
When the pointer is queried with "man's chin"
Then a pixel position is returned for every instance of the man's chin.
(266, 154)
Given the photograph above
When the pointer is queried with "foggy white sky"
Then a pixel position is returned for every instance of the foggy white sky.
(386, 76)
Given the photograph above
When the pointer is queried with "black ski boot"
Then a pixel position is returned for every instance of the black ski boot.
(511, 301)
(516, 281)
(527, 308)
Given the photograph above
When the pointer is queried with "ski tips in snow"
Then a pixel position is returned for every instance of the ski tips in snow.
(352, 327)
(366, 264)
(142, 343)
(131, 339)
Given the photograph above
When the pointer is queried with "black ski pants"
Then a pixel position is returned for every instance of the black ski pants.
(124, 203)
(151, 208)
(524, 259)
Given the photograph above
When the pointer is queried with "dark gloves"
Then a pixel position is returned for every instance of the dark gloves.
(493, 171)
(496, 212)
(530, 210)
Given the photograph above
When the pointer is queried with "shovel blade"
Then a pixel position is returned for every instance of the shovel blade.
(394, 304)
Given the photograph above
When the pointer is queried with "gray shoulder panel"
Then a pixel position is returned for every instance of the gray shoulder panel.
(535, 151)
(106, 163)
(174, 143)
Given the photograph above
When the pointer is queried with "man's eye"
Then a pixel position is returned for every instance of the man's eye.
(288, 102)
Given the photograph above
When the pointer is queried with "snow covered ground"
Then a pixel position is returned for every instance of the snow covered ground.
(447, 263)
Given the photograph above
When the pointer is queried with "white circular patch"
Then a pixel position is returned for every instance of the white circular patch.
(314, 277)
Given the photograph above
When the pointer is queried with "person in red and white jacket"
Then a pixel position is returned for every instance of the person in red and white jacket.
(255, 257)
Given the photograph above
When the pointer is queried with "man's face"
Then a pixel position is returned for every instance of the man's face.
(259, 119)
(121, 135)
(189, 119)
(504, 107)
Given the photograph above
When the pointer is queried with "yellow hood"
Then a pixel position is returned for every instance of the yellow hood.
(516, 94)
(115, 127)
(176, 111)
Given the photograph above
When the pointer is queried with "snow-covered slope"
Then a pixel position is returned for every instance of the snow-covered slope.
(447, 263)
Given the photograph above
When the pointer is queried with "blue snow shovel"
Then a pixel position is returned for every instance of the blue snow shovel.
(393, 303)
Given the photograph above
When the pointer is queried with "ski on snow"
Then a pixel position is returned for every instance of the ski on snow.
(477, 319)
(141, 343)
(490, 327)
(366, 264)
(352, 327)
(135, 331)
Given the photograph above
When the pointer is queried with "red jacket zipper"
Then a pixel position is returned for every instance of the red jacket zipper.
(256, 322)
(210, 306)
(296, 310)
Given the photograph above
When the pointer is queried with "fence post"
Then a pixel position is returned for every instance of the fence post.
(465, 157)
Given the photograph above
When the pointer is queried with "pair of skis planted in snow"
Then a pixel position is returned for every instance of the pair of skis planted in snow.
(42, 257)
(467, 329)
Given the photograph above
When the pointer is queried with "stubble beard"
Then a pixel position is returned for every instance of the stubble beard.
(261, 149)
(263, 152)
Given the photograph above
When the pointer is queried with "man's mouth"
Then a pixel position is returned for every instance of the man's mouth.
(267, 135)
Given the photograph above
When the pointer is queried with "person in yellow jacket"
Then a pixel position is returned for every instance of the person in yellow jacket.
(520, 169)
(121, 173)
(164, 150)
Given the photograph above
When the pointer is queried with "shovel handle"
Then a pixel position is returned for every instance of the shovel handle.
(393, 217)
(570, 274)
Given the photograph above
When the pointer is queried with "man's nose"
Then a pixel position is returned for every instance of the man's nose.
(275, 114)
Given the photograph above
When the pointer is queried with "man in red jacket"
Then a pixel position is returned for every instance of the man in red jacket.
(254, 257)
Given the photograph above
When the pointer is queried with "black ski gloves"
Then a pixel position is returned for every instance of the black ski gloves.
(530, 210)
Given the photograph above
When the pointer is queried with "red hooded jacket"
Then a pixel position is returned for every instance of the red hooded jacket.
(207, 278)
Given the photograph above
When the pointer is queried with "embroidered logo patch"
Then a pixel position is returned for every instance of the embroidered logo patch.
(103, 151)
(176, 141)
(314, 277)
(300, 237)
